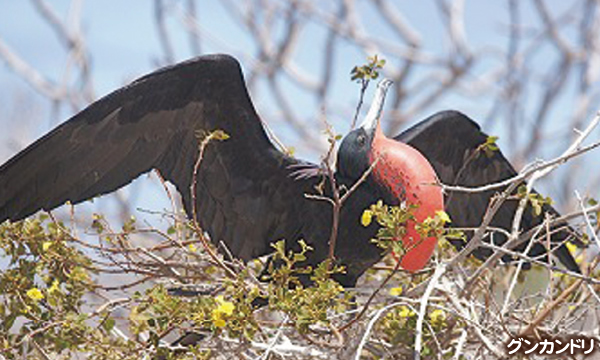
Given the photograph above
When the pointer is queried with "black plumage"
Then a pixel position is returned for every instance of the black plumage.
(248, 193)
(452, 144)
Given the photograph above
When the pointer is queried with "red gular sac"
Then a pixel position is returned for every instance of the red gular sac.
(407, 174)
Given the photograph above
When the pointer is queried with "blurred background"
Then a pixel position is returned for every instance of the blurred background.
(527, 71)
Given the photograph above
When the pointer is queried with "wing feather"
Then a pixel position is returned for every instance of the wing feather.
(449, 140)
(152, 124)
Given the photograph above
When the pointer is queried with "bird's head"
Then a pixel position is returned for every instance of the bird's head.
(399, 169)
(357, 147)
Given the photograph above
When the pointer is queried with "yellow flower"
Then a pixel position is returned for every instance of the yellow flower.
(225, 307)
(405, 312)
(572, 248)
(46, 245)
(35, 294)
(192, 247)
(397, 291)
(54, 287)
(437, 316)
(443, 216)
(366, 218)
(218, 321)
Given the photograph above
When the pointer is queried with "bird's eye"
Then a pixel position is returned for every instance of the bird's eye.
(361, 140)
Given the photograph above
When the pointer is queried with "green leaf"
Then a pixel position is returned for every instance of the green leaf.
(108, 324)
(368, 71)
(219, 135)
(489, 147)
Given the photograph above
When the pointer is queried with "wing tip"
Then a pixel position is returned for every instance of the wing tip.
(218, 59)
(220, 62)
(453, 118)
(445, 124)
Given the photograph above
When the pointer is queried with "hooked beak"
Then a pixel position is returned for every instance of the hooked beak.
(372, 119)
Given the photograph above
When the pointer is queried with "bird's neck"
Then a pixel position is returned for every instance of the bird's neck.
(403, 170)
(410, 178)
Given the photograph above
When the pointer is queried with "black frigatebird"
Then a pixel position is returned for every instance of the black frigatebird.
(248, 193)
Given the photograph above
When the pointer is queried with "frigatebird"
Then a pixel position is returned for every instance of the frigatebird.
(248, 193)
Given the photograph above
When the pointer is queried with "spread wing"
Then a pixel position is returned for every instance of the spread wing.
(449, 140)
(243, 186)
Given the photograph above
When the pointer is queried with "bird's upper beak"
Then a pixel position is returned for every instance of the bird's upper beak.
(372, 119)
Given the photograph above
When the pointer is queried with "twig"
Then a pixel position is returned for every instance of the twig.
(163, 34)
(586, 218)
(484, 339)
(370, 299)
(574, 149)
(363, 88)
(522, 176)
(199, 231)
(30, 74)
(440, 270)
(372, 323)
(459, 345)
(559, 300)
(537, 174)
(515, 277)
(265, 355)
